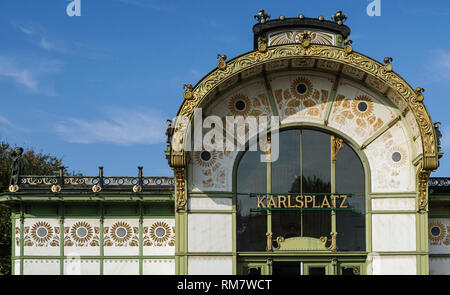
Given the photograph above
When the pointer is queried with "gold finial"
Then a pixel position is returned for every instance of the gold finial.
(222, 65)
(419, 95)
(262, 44)
(188, 94)
(388, 65)
(348, 47)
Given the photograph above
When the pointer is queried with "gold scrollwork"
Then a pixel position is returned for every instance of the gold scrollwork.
(180, 189)
(336, 145)
(56, 188)
(419, 95)
(137, 188)
(13, 188)
(423, 185)
(262, 44)
(333, 245)
(325, 52)
(96, 188)
(348, 48)
(188, 92)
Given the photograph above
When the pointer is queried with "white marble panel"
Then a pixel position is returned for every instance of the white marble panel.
(205, 203)
(41, 237)
(393, 204)
(17, 267)
(439, 235)
(82, 267)
(310, 104)
(159, 267)
(210, 265)
(121, 267)
(121, 237)
(41, 267)
(82, 237)
(358, 112)
(394, 265)
(439, 266)
(209, 232)
(393, 232)
(159, 236)
(390, 158)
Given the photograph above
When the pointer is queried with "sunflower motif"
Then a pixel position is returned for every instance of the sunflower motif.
(397, 156)
(121, 232)
(41, 232)
(301, 88)
(362, 106)
(240, 105)
(436, 231)
(82, 232)
(205, 158)
(160, 231)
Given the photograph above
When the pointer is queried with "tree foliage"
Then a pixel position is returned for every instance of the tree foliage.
(37, 163)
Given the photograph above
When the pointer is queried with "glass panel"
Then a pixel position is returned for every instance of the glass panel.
(316, 171)
(286, 268)
(316, 271)
(286, 179)
(350, 179)
(251, 224)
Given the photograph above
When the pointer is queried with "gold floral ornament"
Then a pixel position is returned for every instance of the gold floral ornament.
(362, 106)
(419, 95)
(121, 232)
(397, 157)
(436, 231)
(262, 44)
(41, 232)
(388, 65)
(160, 232)
(348, 48)
(222, 65)
(188, 94)
(301, 88)
(82, 232)
(13, 188)
(205, 158)
(240, 105)
(56, 188)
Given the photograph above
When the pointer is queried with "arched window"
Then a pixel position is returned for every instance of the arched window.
(307, 169)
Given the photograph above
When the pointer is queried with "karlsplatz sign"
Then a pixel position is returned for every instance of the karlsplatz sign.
(301, 201)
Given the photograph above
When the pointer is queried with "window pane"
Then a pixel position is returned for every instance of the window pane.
(286, 170)
(316, 171)
(350, 179)
(251, 224)
(286, 179)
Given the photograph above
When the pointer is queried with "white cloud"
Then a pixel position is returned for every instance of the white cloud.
(4, 121)
(122, 126)
(20, 75)
(29, 73)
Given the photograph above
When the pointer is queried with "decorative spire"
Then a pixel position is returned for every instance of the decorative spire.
(262, 16)
(339, 17)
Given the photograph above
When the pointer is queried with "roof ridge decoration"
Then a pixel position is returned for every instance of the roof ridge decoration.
(325, 52)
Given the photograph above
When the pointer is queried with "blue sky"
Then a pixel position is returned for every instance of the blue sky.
(97, 89)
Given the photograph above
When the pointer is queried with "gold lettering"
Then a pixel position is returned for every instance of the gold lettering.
(306, 200)
(289, 202)
(325, 200)
(279, 201)
(271, 203)
(343, 201)
(299, 199)
(314, 202)
(333, 199)
(261, 202)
